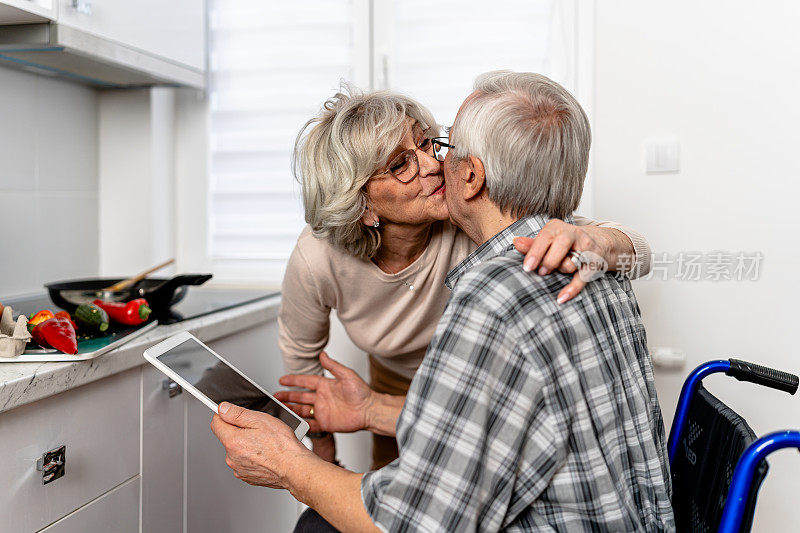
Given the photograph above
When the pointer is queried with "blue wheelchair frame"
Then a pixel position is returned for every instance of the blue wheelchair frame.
(735, 504)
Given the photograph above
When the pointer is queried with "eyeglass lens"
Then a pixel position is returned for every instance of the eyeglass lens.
(405, 166)
(441, 151)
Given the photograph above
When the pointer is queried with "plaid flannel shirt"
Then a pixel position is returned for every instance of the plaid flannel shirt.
(526, 414)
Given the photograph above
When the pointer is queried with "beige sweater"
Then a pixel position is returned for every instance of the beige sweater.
(381, 315)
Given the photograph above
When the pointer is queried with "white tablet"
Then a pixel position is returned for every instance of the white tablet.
(213, 380)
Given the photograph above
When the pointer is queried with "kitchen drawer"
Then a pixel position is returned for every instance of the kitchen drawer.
(116, 511)
(98, 423)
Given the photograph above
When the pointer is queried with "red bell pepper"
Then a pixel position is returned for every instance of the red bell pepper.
(132, 313)
(58, 333)
(64, 314)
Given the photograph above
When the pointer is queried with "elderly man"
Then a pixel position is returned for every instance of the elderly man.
(525, 414)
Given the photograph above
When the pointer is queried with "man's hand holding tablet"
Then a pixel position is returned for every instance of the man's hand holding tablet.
(241, 430)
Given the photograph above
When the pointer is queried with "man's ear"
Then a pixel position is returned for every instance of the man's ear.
(476, 180)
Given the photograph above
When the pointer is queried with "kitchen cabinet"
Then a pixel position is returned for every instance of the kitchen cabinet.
(27, 11)
(107, 43)
(99, 425)
(117, 511)
(137, 457)
(172, 30)
(216, 500)
(163, 445)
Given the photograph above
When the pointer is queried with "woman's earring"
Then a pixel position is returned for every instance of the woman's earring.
(376, 224)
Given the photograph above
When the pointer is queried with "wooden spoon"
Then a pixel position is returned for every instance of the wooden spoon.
(124, 284)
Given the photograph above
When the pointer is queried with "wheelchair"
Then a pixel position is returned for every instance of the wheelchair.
(716, 461)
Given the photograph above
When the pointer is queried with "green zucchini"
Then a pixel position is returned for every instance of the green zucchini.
(91, 316)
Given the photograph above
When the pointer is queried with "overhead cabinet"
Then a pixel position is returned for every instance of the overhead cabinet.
(27, 11)
(112, 43)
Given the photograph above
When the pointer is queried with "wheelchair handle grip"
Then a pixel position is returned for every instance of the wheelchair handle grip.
(762, 375)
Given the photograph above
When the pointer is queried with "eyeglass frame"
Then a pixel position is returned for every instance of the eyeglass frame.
(434, 142)
(387, 168)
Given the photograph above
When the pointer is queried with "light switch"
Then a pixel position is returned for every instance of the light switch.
(662, 156)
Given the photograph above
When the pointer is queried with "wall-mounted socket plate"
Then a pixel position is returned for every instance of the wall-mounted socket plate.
(662, 155)
(666, 357)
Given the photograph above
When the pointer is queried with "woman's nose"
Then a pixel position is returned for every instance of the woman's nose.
(428, 164)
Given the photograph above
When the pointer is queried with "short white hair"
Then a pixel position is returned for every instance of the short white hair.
(336, 153)
(533, 139)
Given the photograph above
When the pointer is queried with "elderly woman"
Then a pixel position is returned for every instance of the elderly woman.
(379, 244)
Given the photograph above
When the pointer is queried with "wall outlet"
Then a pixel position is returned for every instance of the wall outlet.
(666, 357)
(662, 156)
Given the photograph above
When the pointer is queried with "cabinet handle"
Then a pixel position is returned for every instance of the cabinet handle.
(52, 464)
(173, 388)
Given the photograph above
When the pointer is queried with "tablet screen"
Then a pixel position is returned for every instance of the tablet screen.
(219, 382)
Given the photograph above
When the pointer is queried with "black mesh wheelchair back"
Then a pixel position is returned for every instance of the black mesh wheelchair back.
(702, 468)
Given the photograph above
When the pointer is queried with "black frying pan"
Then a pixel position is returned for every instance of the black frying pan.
(160, 293)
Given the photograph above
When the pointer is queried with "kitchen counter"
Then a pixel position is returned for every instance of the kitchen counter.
(23, 383)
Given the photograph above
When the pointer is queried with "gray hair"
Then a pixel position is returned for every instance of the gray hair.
(336, 153)
(533, 139)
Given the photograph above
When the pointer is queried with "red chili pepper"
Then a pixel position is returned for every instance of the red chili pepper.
(58, 333)
(64, 314)
(132, 313)
(40, 317)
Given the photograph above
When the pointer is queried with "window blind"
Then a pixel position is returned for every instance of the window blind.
(433, 51)
(272, 64)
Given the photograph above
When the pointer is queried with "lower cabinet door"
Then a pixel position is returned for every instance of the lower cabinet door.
(216, 500)
(98, 424)
(162, 452)
(116, 510)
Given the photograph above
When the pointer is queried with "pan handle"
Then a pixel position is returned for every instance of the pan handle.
(192, 279)
(185, 279)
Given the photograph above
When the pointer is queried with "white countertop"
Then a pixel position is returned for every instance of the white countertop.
(22, 383)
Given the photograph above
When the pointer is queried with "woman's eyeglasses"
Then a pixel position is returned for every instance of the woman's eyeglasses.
(405, 166)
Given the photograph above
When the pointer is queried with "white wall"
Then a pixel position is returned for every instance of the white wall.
(86, 180)
(137, 180)
(191, 182)
(723, 78)
(48, 181)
